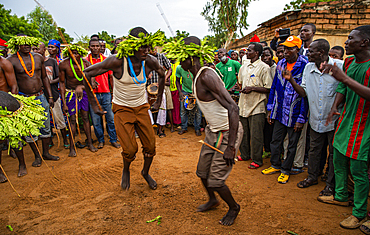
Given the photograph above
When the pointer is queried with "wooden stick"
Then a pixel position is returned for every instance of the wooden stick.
(52, 116)
(70, 132)
(9, 181)
(79, 68)
(206, 144)
(38, 150)
(77, 122)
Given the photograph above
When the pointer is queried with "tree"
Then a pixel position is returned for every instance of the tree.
(179, 34)
(214, 41)
(11, 25)
(296, 4)
(225, 17)
(84, 41)
(106, 37)
(46, 25)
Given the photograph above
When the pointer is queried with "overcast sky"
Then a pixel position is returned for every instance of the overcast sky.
(86, 17)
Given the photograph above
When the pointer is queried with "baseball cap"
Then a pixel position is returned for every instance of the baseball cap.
(292, 41)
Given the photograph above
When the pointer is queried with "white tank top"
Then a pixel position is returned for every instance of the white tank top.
(126, 92)
(215, 114)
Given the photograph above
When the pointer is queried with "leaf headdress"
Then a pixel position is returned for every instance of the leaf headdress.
(80, 50)
(178, 50)
(16, 41)
(130, 44)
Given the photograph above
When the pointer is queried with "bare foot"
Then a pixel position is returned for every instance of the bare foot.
(2, 177)
(172, 129)
(125, 181)
(92, 148)
(22, 171)
(230, 216)
(37, 162)
(151, 182)
(209, 205)
(50, 157)
(72, 153)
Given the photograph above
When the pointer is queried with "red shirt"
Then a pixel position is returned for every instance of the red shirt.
(103, 81)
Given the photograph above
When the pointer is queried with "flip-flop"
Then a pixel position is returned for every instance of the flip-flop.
(66, 146)
(79, 145)
(162, 135)
(254, 165)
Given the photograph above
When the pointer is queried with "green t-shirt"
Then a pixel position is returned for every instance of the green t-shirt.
(352, 137)
(187, 79)
(228, 72)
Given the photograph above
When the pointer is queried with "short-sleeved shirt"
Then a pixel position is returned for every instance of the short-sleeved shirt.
(320, 90)
(187, 79)
(52, 71)
(256, 74)
(102, 79)
(228, 72)
(352, 136)
(164, 62)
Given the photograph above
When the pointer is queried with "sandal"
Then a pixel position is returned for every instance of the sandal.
(365, 227)
(162, 135)
(66, 146)
(79, 145)
(239, 159)
(327, 191)
(306, 183)
(254, 165)
(296, 171)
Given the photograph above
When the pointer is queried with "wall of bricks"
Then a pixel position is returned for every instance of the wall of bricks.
(334, 21)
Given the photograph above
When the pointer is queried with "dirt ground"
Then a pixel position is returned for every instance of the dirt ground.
(88, 198)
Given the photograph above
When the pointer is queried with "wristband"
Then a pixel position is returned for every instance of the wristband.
(51, 97)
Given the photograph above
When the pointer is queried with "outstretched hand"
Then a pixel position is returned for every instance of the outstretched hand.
(100, 112)
(287, 75)
(229, 156)
(333, 70)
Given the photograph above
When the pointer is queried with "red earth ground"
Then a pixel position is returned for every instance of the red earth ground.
(88, 198)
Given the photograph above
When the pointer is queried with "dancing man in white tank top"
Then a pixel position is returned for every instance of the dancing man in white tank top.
(130, 107)
(223, 130)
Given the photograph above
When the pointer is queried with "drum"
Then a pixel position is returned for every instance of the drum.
(152, 90)
(190, 102)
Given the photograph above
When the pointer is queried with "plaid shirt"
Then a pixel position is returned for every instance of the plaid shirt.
(164, 62)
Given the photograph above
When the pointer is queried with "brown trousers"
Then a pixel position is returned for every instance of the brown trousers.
(128, 120)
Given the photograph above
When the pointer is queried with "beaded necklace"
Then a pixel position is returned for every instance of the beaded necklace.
(32, 71)
(133, 75)
(101, 59)
(73, 69)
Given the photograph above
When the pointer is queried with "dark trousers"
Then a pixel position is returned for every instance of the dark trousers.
(317, 141)
(267, 135)
(252, 143)
(278, 136)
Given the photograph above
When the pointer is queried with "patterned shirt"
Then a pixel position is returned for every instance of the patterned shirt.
(352, 136)
(164, 62)
(285, 104)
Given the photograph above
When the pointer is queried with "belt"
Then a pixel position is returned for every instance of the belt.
(28, 95)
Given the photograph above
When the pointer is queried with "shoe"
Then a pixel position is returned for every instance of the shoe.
(115, 144)
(198, 133)
(331, 200)
(270, 171)
(283, 178)
(352, 222)
(100, 145)
(254, 165)
(327, 191)
(182, 131)
(296, 171)
(365, 227)
(307, 183)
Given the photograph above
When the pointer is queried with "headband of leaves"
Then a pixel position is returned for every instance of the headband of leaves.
(178, 50)
(80, 50)
(16, 41)
(130, 44)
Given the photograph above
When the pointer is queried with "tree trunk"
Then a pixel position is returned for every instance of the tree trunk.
(228, 40)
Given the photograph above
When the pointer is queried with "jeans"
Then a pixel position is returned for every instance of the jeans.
(185, 114)
(106, 104)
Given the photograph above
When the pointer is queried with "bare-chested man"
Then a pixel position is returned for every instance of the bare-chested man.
(223, 131)
(72, 91)
(8, 83)
(130, 106)
(31, 77)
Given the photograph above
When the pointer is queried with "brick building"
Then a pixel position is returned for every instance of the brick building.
(334, 21)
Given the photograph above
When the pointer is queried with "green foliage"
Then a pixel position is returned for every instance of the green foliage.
(131, 44)
(296, 4)
(22, 122)
(106, 37)
(80, 50)
(214, 41)
(11, 25)
(182, 34)
(178, 50)
(83, 41)
(47, 26)
(225, 17)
